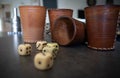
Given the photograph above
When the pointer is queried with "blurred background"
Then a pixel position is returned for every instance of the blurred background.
(9, 9)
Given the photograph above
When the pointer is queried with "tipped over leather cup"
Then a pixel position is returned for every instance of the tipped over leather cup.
(56, 13)
(68, 30)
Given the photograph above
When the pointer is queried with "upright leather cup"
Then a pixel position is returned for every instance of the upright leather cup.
(33, 22)
(68, 30)
(101, 23)
(55, 13)
(118, 22)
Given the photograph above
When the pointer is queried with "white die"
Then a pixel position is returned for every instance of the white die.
(43, 61)
(53, 45)
(41, 44)
(24, 49)
(51, 50)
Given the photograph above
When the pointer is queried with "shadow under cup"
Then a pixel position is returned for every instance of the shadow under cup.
(101, 23)
(33, 22)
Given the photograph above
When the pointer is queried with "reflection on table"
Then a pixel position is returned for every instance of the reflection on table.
(75, 61)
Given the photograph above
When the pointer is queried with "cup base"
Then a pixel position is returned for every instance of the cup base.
(101, 49)
(31, 41)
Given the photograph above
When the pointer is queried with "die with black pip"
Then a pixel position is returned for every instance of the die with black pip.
(40, 45)
(43, 61)
(24, 49)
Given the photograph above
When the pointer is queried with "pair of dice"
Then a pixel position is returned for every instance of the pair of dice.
(44, 59)
(44, 47)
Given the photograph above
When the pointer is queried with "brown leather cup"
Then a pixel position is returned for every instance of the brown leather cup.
(33, 22)
(55, 13)
(68, 31)
(101, 23)
(118, 22)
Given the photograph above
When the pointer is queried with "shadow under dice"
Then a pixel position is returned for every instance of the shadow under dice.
(43, 61)
(24, 49)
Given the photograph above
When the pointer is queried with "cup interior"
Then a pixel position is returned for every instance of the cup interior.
(64, 30)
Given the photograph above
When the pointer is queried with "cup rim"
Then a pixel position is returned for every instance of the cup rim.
(31, 6)
(59, 9)
(100, 6)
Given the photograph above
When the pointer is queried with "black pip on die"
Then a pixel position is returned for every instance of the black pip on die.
(51, 50)
(53, 45)
(43, 61)
(24, 49)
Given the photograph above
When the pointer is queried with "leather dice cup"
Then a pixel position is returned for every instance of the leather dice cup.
(101, 23)
(56, 13)
(32, 22)
(68, 30)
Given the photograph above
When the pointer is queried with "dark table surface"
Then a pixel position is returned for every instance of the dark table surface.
(76, 61)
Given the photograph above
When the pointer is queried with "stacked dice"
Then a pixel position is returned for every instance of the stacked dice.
(45, 58)
(47, 53)
(51, 48)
